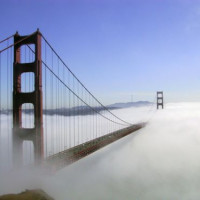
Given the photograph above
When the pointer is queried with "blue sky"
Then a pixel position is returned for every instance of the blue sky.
(119, 48)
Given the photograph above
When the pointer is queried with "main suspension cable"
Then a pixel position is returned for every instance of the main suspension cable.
(6, 39)
(83, 84)
(25, 38)
(74, 92)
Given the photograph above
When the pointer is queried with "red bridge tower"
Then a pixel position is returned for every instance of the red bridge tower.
(34, 134)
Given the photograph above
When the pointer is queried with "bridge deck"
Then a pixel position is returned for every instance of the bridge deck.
(69, 156)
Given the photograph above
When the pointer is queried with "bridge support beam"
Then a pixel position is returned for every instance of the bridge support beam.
(21, 134)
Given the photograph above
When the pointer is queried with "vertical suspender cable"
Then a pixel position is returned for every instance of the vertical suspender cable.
(62, 106)
(0, 110)
(9, 104)
(52, 134)
(57, 131)
(7, 99)
(74, 117)
(45, 94)
(78, 111)
(70, 121)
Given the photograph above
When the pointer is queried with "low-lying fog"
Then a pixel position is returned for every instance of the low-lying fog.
(161, 161)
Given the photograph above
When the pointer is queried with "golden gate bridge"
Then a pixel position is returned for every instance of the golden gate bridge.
(48, 116)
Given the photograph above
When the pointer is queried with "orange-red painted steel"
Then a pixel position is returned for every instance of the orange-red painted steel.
(19, 133)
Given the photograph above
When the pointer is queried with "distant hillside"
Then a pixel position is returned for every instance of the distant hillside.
(82, 110)
(130, 104)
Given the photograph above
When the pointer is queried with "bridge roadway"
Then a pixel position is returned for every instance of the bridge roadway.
(69, 156)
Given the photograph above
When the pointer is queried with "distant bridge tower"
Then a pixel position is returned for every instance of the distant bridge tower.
(160, 99)
(21, 134)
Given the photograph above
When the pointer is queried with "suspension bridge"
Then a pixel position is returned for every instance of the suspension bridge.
(48, 116)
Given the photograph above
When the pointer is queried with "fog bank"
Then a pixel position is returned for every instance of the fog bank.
(161, 161)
